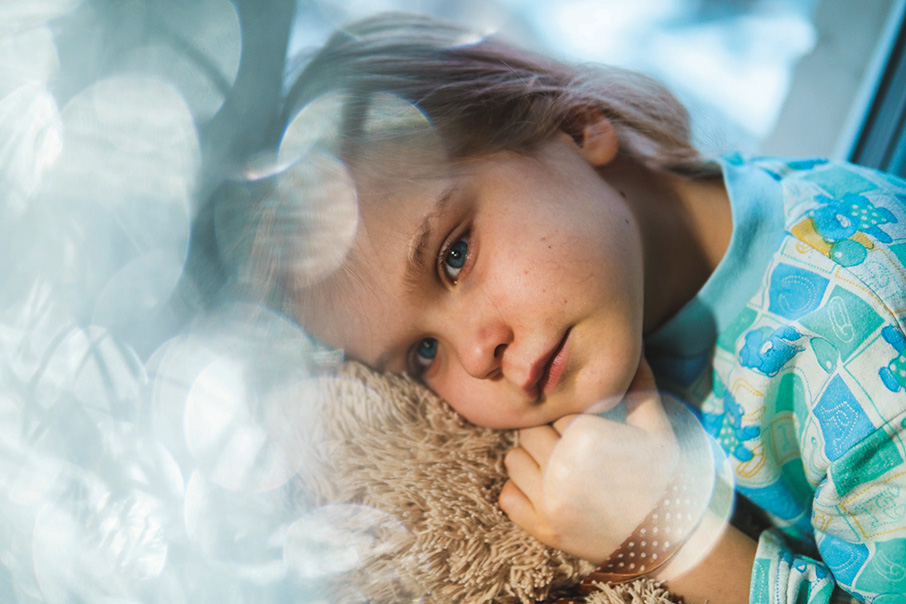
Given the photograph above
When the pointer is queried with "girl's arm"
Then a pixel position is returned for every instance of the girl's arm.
(715, 564)
(584, 484)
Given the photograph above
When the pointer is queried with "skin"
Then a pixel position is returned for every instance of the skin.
(556, 256)
(542, 275)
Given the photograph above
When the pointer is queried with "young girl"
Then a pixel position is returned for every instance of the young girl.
(529, 234)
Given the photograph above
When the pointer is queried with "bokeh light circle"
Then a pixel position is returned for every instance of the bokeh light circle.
(23, 15)
(30, 143)
(239, 531)
(97, 542)
(245, 436)
(340, 538)
(484, 17)
(328, 546)
(199, 53)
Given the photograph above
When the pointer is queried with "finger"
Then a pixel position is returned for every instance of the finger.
(644, 408)
(643, 380)
(539, 442)
(647, 413)
(517, 507)
(525, 472)
(561, 424)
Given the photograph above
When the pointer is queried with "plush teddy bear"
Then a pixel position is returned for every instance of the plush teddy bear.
(402, 498)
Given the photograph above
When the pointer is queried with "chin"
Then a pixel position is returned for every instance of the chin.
(605, 396)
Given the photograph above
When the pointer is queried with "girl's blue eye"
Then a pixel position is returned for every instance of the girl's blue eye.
(455, 258)
(425, 351)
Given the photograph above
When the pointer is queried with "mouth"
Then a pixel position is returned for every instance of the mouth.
(549, 369)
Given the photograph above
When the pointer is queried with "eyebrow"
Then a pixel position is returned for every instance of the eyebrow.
(415, 261)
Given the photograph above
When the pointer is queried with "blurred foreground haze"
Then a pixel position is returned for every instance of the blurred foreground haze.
(147, 419)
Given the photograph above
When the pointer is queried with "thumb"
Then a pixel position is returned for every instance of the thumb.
(644, 407)
(561, 424)
(643, 380)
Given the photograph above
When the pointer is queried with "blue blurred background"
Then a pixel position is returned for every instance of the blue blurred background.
(147, 420)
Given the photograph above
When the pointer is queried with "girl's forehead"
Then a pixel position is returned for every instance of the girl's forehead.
(355, 306)
(397, 166)
(397, 195)
(393, 166)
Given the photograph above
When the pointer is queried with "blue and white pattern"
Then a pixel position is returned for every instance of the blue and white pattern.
(808, 389)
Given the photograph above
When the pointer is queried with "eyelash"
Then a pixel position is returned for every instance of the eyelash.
(445, 252)
(418, 364)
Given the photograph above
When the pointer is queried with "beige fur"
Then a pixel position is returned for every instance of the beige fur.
(386, 443)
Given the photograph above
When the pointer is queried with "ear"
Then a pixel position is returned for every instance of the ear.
(593, 134)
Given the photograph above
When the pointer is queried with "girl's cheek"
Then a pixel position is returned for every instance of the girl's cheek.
(435, 377)
(446, 386)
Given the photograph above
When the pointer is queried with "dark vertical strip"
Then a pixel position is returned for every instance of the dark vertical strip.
(882, 141)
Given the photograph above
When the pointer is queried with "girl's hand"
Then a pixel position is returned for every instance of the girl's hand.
(585, 483)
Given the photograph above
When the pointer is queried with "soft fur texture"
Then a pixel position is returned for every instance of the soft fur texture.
(385, 443)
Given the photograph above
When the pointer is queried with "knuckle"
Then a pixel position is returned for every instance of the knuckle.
(559, 477)
(551, 536)
(504, 499)
(511, 456)
(558, 506)
(509, 497)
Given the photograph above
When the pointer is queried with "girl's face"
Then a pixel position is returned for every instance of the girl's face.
(511, 286)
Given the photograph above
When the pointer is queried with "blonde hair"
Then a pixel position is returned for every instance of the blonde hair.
(484, 95)
(476, 96)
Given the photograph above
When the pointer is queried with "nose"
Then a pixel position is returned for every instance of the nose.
(480, 338)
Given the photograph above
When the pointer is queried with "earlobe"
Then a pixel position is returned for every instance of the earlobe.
(594, 135)
(600, 143)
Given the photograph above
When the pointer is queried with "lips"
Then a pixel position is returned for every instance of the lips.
(547, 370)
(555, 367)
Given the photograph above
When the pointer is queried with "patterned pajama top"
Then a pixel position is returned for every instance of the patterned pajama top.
(795, 355)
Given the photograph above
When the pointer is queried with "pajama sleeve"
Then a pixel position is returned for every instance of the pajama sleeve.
(826, 388)
(859, 518)
(806, 391)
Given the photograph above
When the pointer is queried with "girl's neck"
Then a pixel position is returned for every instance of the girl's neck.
(685, 228)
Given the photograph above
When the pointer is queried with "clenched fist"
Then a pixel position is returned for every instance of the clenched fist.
(583, 484)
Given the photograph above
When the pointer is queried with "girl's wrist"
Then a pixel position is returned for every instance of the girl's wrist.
(715, 564)
(710, 530)
(695, 547)
(659, 538)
